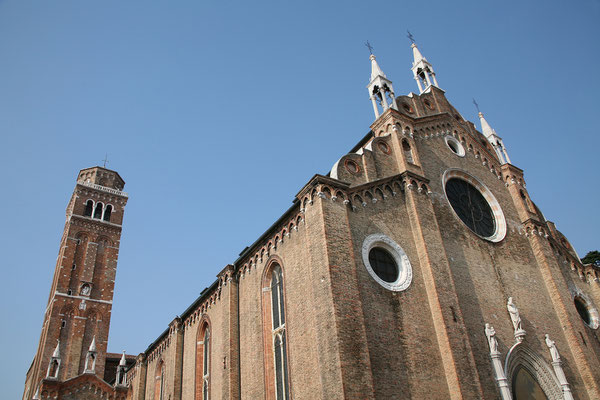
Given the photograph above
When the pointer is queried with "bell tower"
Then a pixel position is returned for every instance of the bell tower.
(380, 88)
(79, 306)
(422, 70)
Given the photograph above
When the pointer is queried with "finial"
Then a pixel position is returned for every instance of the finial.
(93, 345)
(105, 160)
(369, 47)
(123, 361)
(56, 353)
(410, 37)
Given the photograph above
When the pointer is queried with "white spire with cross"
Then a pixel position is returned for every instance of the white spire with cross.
(493, 138)
(381, 91)
(422, 69)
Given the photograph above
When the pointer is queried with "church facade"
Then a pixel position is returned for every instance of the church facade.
(418, 268)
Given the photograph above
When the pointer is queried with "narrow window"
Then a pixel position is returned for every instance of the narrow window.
(279, 345)
(107, 212)
(89, 206)
(205, 364)
(98, 211)
(159, 381)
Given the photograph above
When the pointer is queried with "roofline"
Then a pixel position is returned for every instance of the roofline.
(106, 169)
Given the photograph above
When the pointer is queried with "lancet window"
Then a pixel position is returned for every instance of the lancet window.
(203, 363)
(276, 336)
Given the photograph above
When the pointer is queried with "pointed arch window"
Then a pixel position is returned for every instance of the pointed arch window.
(159, 381)
(203, 363)
(276, 356)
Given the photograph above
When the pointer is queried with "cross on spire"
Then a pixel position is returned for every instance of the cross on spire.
(410, 37)
(105, 160)
(369, 47)
(476, 105)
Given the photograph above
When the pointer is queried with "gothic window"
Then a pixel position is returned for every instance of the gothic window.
(107, 212)
(525, 387)
(203, 363)
(89, 206)
(159, 381)
(98, 211)
(278, 312)
(276, 363)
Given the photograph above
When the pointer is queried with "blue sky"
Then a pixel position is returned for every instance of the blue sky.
(217, 113)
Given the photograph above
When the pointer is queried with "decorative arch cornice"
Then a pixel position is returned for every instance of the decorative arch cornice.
(521, 355)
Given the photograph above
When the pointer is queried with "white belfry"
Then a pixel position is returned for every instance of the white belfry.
(380, 89)
(121, 372)
(54, 365)
(494, 139)
(422, 70)
(90, 359)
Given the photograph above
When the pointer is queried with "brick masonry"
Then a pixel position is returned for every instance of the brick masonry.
(347, 335)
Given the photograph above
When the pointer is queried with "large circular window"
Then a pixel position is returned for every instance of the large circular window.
(386, 262)
(475, 205)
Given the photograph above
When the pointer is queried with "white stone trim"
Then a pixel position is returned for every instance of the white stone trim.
(404, 268)
(500, 231)
(460, 148)
(523, 356)
(590, 308)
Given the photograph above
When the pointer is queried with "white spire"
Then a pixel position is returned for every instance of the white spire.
(93, 345)
(123, 361)
(422, 70)
(417, 56)
(375, 70)
(36, 396)
(494, 139)
(56, 353)
(380, 89)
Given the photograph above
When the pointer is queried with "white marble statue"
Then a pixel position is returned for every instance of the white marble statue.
(490, 332)
(553, 350)
(514, 315)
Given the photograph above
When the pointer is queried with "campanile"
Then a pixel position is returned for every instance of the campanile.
(77, 318)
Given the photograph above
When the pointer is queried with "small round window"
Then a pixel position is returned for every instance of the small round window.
(455, 146)
(386, 262)
(587, 312)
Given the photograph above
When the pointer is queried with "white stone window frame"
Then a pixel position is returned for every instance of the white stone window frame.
(404, 267)
(501, 229)
(461, 149)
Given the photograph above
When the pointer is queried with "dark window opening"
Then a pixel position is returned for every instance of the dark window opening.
(98, 211)
(88, 208)
(471, 207)
(383, 264)
(107, 213)
(69, 292)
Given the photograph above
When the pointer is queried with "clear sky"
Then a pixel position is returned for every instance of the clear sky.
(217, 112)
